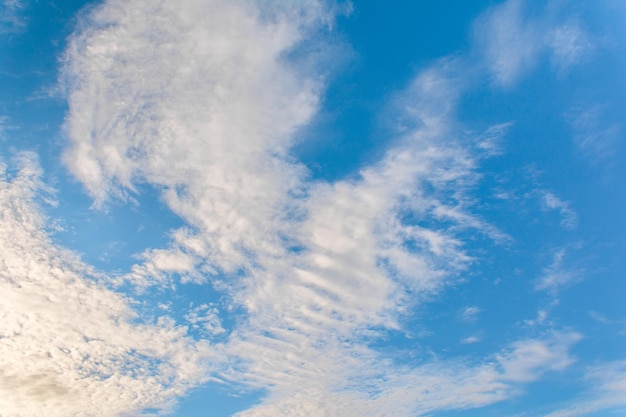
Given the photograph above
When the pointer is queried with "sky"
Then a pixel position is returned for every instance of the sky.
(257, 208)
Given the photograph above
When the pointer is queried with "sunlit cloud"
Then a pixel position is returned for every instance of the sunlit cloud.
(69, 344)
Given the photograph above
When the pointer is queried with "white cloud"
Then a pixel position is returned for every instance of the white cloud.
(198, 100)
(310, 313)
(531, 358)
(470, 340)
(570, 45)
(606, 391)
(594, 133)
(513, 39)
(69, 345)
(556, 275)
(11, 16)
(381, 387)
(542, 316)
(470, 313)
(569, 218)
(205, 318)
(490, 141)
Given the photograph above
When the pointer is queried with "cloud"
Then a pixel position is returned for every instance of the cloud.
(511, 41)
(470, 340)
(569, 218)
(11, 17)
(530, 358)
(68, 344)
(570, 45)
(542, 316)
(555, 276)
(3, 126)
(469, 313)
(364, 261)
(383, 387)
(200, 101)
(513, 38)
(205, 318)
(595, 134)
(606, 388)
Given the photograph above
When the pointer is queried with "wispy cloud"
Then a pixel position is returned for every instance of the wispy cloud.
(513, 38)
(596, 135)
(570, 45)
(470, 340)
(557, 275)
(470, 313)
(11, 16)
(530, 358)
(606, 388)
(569, 218)
(542, 316)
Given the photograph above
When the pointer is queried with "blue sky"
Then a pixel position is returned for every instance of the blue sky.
(252, 208)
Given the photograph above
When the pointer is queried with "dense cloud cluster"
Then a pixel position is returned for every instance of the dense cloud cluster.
(69, 345)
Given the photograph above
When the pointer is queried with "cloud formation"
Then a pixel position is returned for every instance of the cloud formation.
(569, 218)
(11, 19)
(203, 101)
(515, 35)
(68, 344)
(556, 275)
(605, 392)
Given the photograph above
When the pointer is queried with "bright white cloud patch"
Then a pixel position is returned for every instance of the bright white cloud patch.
(68, 345)
(197, 99)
